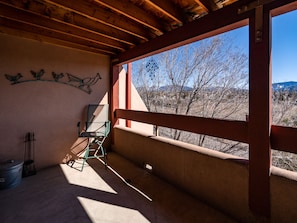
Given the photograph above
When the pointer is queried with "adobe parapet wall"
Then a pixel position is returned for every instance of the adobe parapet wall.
(219, 179)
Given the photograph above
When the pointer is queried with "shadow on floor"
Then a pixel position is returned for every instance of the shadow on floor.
(120, 193)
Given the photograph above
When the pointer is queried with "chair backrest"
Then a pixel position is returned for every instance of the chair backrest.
(97, 113)
(97, 119)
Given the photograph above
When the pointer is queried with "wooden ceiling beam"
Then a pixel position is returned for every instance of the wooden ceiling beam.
(209, 25)
(126, 8)
(198, 2)
(210, 5)
(278, 8)
(168, 9)
(100, 29)
(40, 34)
(14, 13)
(104, 16)
(77, 20)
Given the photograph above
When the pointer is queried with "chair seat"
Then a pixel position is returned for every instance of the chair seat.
(91, 134)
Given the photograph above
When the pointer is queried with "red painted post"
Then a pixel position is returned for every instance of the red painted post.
(114, 96)
(128, 91)
(260, 113)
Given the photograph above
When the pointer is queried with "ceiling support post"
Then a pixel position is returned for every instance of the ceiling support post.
(128, 91)
(260, 88)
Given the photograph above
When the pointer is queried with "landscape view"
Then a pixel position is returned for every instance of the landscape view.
(210, 79)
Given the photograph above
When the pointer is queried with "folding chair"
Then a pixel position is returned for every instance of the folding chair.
(96, 131)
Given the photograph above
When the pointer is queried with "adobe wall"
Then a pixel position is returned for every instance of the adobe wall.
(52, 108)
(217, 178)
(283, 195)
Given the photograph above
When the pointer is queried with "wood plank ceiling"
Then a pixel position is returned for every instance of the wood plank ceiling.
(102, 26)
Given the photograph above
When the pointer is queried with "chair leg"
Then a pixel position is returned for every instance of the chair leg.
(104, 154)
(89, 149)
(86, 156)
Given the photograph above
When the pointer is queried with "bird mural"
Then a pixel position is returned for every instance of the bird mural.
(85, 83)
(38, 75)
(56, 76)
(14, 79)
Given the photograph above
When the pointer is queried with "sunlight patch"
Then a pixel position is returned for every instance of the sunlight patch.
(103, 212)
(88, 178)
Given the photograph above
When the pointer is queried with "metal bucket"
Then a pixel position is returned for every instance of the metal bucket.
(10, 173)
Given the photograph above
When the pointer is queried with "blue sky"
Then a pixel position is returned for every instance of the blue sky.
(284, 46)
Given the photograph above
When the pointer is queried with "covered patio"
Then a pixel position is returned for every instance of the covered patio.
(58, 57)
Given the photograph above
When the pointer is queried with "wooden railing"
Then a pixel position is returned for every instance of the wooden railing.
(282, 138)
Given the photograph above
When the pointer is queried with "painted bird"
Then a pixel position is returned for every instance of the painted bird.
(84, 82)
(14, 79)
(38, 75)
(57, 76)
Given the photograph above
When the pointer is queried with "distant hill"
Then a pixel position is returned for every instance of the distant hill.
(285, 86)
(281, 86)
(170, 88)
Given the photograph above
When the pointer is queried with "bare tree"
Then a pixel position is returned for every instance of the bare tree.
(206, 79)
(284, 107)
(284, 112)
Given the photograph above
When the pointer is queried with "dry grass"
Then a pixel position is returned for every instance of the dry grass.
(284, 113)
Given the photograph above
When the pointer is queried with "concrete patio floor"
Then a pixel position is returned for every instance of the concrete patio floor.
(120, 193)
